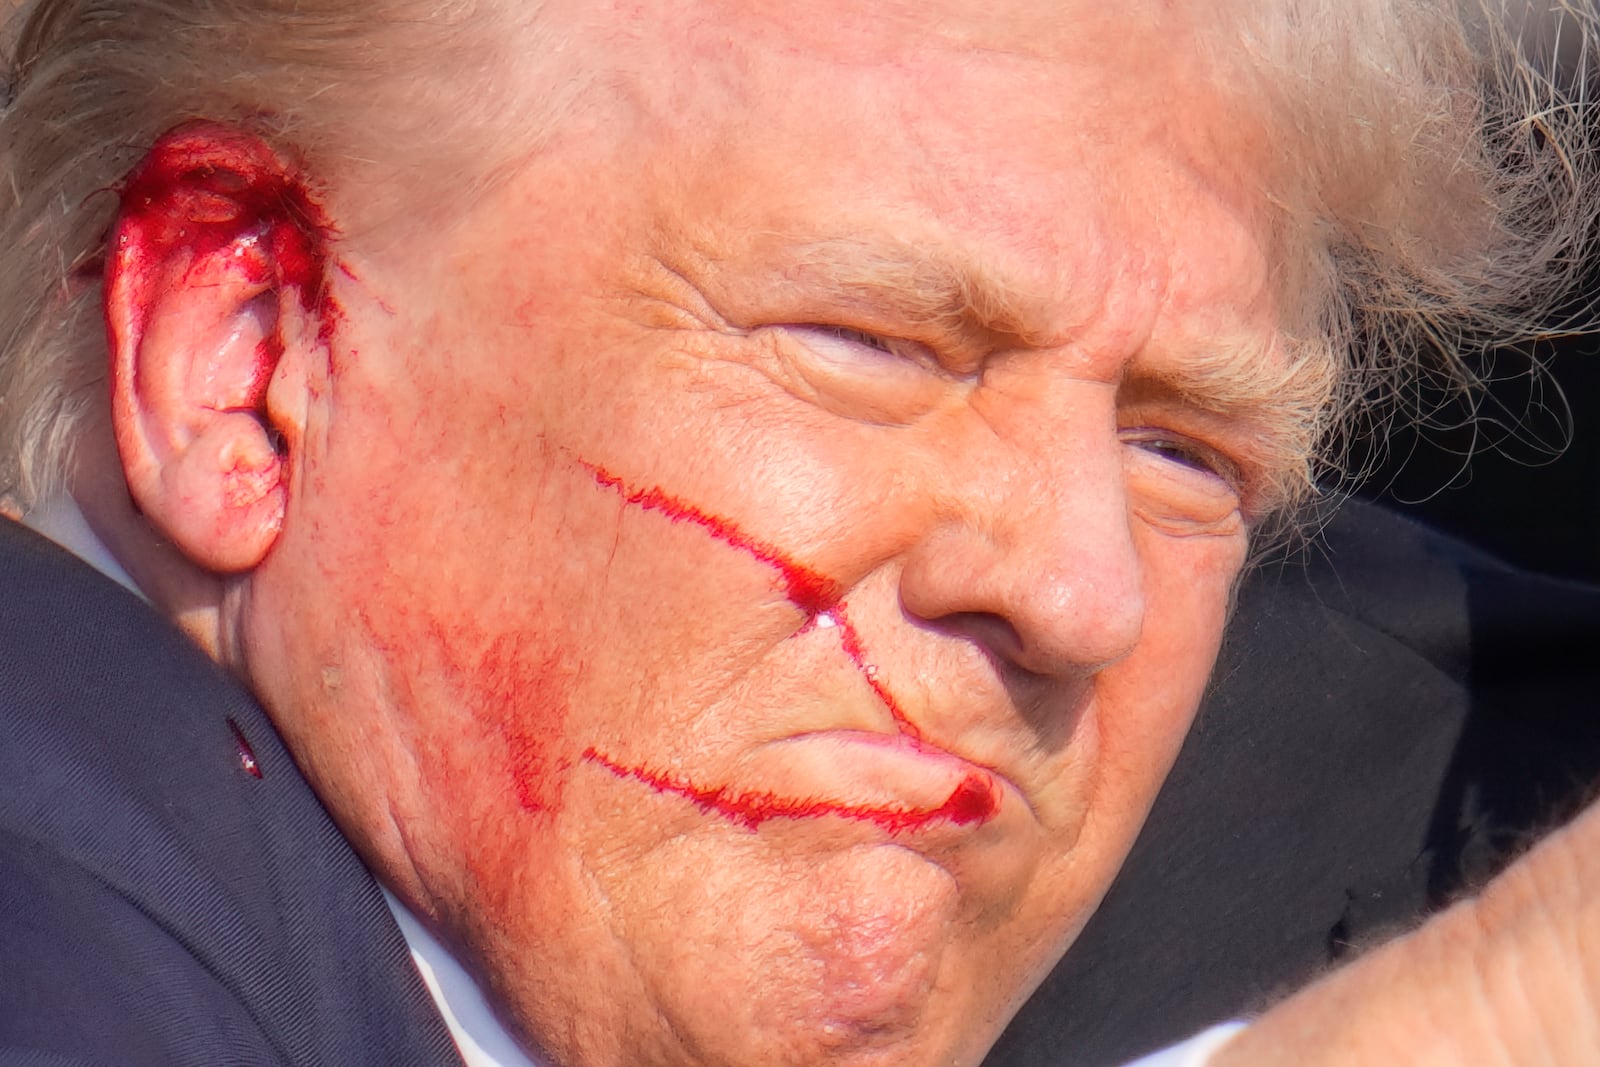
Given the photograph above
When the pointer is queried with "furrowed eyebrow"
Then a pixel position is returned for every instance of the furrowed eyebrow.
(1274, 400)
(1229, 376)
(927, 289)
(1241, 378)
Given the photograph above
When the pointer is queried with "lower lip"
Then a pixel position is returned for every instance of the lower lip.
(893, 782)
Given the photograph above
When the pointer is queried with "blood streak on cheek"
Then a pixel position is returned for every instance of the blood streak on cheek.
(509, 682)
(974, 800)
(349, 272)
(850, 641)
(528, 698)
(806, 588)
(516, 684)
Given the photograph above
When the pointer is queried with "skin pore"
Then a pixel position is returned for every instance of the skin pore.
(743, 580)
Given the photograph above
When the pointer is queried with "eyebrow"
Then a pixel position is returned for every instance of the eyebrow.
(1230, 375)
(1278, 392)
(1278, 396)
(932, 289)
(1227, 374)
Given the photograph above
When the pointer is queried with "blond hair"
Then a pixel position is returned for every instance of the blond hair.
(1441, 194)
(93, 83)
(1431, 187)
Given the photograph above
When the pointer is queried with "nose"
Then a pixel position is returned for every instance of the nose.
(1033, 555)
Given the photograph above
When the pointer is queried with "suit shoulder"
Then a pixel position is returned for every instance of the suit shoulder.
(155, 813)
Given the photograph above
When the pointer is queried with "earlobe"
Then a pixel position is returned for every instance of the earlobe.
(216, 256)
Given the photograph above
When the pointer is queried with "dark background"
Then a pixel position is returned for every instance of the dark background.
(1524, 481)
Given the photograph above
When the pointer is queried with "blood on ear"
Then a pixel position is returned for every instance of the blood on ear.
(216, 241)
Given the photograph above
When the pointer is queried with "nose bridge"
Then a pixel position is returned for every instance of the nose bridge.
(1038, 534)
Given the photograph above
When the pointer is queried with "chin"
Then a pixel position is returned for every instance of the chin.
(863, 961)
(733, 949)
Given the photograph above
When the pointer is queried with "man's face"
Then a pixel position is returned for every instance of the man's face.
(747, 577)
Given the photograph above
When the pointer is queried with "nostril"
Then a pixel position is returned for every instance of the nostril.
(993, 635)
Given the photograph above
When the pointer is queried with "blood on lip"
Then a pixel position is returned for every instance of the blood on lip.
(974, 800)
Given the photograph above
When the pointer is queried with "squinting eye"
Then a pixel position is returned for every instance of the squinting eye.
(1180, 484)
(1182, 451)
(855, 373)
(844, 344)
(860, 337)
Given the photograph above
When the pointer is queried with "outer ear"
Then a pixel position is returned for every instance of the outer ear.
(216, 264)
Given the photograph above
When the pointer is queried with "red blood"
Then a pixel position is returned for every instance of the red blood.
(524, 691)
(247, 755)
(268, 353)
(850, 641)
(974, 801)
(349, 272)
(516, 679)
(206, 190)
(807, 589)
(810, 591)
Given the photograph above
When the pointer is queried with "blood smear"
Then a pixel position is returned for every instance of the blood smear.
(974, 800)
(806, 588)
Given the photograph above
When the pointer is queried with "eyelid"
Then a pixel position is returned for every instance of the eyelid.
(1213, 461)
(842, 369)
(1178, 498)
(829, 340)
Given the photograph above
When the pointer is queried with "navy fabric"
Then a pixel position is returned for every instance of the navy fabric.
(1393, 716)
(159, 904)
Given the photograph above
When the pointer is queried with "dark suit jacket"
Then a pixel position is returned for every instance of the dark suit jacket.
(159, 904)
(1393, 715)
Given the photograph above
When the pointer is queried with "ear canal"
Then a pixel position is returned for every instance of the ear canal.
(216, 241)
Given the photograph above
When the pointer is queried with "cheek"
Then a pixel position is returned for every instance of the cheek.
(438, 567)
(1156, 691)
(480, 694)
(1145, 703)
(519, 688)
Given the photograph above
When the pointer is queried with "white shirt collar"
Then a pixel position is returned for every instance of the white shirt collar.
(59, 519)
(478, 1035)
(480, 1038)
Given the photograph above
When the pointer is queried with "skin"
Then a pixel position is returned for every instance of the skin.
(724, 282)
(1503, 979)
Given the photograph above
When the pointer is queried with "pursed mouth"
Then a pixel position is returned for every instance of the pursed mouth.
(895, 783)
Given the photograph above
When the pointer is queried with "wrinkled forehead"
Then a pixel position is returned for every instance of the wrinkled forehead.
(874, 32)
(1053, 57)
(1073, 154)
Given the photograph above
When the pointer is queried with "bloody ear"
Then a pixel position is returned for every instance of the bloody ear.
(215, 267)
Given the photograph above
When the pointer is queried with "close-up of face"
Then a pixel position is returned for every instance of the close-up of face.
(745, 576)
